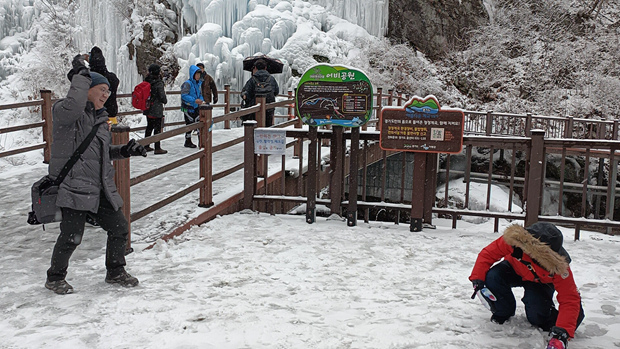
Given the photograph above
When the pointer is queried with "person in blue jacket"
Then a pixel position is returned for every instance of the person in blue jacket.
(191, 99)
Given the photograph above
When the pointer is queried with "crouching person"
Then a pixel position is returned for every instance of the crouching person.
(89, 188)
(533, 258)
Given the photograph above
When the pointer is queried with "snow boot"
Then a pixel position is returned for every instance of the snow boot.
(59, 287)
(123, 278)
(148, 148)
(189, 144)
(160, 151)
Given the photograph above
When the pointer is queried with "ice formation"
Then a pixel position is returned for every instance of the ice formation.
(222, 32)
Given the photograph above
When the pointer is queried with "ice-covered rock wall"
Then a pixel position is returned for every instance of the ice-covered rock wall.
(294, 31)
(16, 19)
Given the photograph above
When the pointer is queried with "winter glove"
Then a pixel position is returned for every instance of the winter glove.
(559, 338)
(78, 67)
(478, 285)
(215, 99)
(133, 149)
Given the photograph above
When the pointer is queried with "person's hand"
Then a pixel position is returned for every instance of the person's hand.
(478, 285)
(199, 101)
(559, 338)
(79, 67)
(215, 100)
(133, 149)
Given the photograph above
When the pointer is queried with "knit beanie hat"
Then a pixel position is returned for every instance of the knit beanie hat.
(154, 69)
(98, 79)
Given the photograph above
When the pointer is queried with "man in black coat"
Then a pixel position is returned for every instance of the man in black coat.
(155, 114)
(263, 83)
(97, 64)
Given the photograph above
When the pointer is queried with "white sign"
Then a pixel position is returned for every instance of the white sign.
(269, 141)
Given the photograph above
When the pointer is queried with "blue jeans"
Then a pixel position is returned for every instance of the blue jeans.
(537, 298)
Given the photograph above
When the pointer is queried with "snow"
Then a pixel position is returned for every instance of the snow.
(253, 280)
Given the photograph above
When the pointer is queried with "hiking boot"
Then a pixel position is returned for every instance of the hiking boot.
(189, 144)
(160, 151)
(148, 148)
(59, 287)
(123, 278)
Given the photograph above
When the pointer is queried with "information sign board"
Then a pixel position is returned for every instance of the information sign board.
(269, 141)
(422, 126)
(334, 95)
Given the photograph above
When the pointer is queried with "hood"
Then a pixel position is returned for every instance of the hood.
(262, 75)
(192, 71)
(540, 242)
(96, 60)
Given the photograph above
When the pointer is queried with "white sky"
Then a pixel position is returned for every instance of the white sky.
(261, 281)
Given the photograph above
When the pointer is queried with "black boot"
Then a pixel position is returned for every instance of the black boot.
(189, 144)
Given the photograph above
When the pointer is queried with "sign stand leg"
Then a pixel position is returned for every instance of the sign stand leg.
(311, 181)
(417, 201)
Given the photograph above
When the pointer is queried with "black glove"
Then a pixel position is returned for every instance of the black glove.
(215, 100)
(478, 285)
(558, 338)
(132, 149)
(78, 67)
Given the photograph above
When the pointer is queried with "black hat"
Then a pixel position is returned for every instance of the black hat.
(154, 69)
(548, 234)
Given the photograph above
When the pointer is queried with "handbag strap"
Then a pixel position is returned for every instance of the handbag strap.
(76, 155)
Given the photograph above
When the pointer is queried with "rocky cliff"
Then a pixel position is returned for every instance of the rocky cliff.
(434, 26)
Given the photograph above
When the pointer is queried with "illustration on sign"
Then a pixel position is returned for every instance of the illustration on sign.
(334, 95)
(269, 141)
(422, 126)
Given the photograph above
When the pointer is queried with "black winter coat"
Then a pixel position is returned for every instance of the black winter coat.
(158, 96)
(97, 64)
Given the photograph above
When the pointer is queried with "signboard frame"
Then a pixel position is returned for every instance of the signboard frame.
(335, 95)
(421, 125)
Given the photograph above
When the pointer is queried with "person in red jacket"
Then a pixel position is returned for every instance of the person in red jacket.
(533, 258)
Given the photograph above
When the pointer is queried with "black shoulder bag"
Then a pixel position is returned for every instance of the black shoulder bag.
(45, 190)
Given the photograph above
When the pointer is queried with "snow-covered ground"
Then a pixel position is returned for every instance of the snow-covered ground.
(252, 280)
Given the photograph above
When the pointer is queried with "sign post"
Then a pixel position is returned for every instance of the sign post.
(421, 126)
(342, 97)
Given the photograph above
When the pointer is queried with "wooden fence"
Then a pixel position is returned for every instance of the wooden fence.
(481, 124)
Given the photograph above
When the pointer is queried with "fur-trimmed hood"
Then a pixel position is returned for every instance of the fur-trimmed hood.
(543, 243)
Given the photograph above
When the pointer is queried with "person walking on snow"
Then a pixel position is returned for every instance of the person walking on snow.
(533, 258)
(191, 99)
(155, 114)
(260, 76)
(89, 188)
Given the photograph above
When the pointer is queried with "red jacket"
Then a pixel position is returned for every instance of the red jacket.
(550, 266)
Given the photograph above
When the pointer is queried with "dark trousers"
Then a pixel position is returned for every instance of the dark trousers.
(72, 229)
(537, 298)
(154, 125)
(190, 118)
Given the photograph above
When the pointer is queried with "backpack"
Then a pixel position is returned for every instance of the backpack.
(141, 96)
(263, 88)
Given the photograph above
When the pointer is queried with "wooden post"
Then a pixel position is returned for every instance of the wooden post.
(206, 162)
(227, 105)
(535, 177)
(120, 135)
(297, 148)
(417, 201)
(430, 184)
(390, 97)
(528, 125)
(248, 164)
(261, 116)
(336, 180)
(291, 111)
(489, 123)
(611, 186)
(46, 115)
(311, 186)
(568, 131)
(379, 106)
(352, 209)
